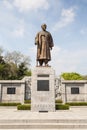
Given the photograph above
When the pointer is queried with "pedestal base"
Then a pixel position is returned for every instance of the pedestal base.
(43, 90)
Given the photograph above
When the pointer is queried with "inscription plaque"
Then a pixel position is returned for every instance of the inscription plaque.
(42, 85)
(74, 90)
(43, 75)
(11, 90)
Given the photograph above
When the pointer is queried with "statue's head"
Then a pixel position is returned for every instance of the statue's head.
(44, 26)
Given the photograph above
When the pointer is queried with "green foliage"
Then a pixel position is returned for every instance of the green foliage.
(27, 101)
(85, 77)
(17, 58)
(77, 104)
(62, 107)
(1, 71)
(72, 76)
(9, 104)
(2, 60)
(7, 71)
(4, 69)
(14, 65)
(59, 101)
(28, 73)
(22, 69)
(13, 71)
(24, 107)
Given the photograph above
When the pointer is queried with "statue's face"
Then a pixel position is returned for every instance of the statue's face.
(43, 27)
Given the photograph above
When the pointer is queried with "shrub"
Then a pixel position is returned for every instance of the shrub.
(58, 101)
(62, 107)
(24, 107)
(27, 101)
(9, 104)
(77, 103)
(72, 76)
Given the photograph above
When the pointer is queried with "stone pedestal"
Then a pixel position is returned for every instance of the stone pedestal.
(43, 90)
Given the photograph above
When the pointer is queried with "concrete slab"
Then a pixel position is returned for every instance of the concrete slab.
(73, 113)
(73, 119)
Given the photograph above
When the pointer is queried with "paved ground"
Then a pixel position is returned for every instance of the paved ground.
(43, 129)
(13, 113)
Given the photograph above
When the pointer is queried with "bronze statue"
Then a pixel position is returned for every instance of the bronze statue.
(44, 43)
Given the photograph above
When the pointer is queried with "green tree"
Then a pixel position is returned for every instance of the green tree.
(3, 69)
(14, 65)
(12, 71)
(22, 69)
(17, 58)
(72, 76)
(28, 73)
(2, 60)
(85, 77)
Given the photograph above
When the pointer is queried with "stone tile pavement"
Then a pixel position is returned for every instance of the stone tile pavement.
(13, 113)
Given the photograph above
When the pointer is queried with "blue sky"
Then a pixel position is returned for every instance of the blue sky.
(66, 20)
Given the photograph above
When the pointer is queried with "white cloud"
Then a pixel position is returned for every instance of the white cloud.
(67, 17)
(32, 53)
(64, 60)
(19, 29)
(68, 61)
(4, 44)
(26, 5)
(7, 4)
(18, 32)
(83, 31)
(55, 51)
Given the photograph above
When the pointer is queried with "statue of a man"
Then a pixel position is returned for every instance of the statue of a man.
(44, 43)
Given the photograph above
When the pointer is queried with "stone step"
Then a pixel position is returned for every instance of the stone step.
(43, 126)
(40, 129)
(44, 121)
(37, 129)
(46, 126)
(34, 124)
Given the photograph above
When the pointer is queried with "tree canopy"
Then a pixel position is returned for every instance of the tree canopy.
(72, 76)
(14, 65)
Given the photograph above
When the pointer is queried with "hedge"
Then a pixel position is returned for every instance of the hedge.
(9, 104)
(28, 107)
(58, 101)
(77, 103)
(62, 107)
(27, 101)
(24, 107)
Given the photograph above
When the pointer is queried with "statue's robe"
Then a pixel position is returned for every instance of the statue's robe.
(44, 44)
